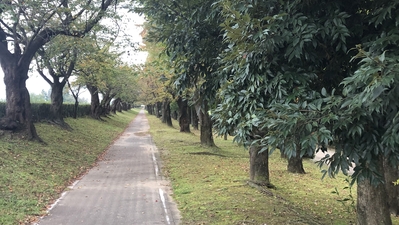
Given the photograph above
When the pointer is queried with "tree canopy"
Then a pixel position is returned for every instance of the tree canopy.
(295, 75)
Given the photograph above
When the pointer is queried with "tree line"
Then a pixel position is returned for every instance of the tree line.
(296, 76)
(69, 46)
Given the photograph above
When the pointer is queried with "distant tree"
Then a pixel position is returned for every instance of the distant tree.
(192, 37)
(158, 88)
(103, 73)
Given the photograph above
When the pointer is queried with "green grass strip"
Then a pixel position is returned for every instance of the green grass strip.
(210, 185)
(32, 175)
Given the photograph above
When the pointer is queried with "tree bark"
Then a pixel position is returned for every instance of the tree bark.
(96, 110)
(295, 164)
(57, 100)
(391, 174)
(159, 109)
(184, 120)
(76, 97)
(150, 109)
(372, 205)
(119, 107)
(18, 108)
(166, 112)
(259, 166)
(194, 118)
(115, 104)
(206, 127)
(174, 115)
(125, 106)
(75, 109)
(106, 103)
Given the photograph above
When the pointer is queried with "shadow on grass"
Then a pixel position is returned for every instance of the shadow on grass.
(206, 153)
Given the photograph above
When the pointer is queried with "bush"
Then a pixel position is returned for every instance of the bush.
(41, 111)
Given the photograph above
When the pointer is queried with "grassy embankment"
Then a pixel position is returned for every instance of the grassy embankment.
(33, 174)
(210, 185)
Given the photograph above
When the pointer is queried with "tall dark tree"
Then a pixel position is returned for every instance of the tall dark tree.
(166, 117)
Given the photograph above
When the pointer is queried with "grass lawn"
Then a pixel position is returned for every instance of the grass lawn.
(32, 175)
(210, 185)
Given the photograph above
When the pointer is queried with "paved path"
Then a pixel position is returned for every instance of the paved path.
(126, 188)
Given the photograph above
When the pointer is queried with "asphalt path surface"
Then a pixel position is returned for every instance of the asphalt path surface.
(125, 188)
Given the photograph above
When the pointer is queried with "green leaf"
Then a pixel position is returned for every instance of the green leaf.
(377, 91)
(323, 92)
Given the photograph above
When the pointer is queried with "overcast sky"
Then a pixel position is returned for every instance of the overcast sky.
(131, 26)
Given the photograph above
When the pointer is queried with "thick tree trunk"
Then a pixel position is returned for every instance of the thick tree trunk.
(57, 100)
(150, 109)
(259, 166)
(125, 106)
(391, 175)
(184, 116)
(115, 104)
(206, 127)
(18, 108)
(96, 110)
(372, 205)
(295, 164)
(119, 107)
(194, 118)
(166, 112)
(106, 103)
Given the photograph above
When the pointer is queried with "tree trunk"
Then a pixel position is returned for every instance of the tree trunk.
(206, 127)
(106, 103)
(115, 104)
(174, 115)
(57, 100)
(125, 106)
(76, 97)
(158, 109)
(119, 107)
(166, 112)
(184, 120)
(295, 164)
(194, 118)
(150, 109)
(95, 102)
(372, 205)
(391, 174)
(259, 166)
(18, 108)
(75, 109)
